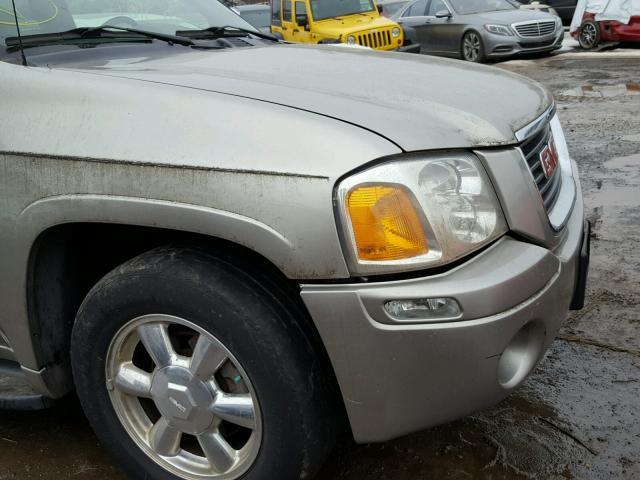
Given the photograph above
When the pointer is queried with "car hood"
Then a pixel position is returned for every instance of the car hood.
(417, 102)
(335, 27)
(508, 17)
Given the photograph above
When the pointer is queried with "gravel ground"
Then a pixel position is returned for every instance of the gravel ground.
(576, 417)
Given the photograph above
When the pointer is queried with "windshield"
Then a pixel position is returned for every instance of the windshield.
(321, 9)
(162, 16)
(257, 18)
(389, 9)
(465, 7)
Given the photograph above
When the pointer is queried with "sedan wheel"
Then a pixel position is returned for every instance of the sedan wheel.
(472, 50)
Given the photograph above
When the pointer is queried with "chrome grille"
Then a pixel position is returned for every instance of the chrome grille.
(531, 148)
(374, 39)
(538, 28)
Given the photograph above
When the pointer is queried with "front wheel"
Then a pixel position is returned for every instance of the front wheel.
(472, 49)
(187, 368)
(589, 36)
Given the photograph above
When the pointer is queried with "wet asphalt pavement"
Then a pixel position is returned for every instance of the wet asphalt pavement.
(577, 416)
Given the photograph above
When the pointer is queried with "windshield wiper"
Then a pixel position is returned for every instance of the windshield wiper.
(224, 31)
(104, 31)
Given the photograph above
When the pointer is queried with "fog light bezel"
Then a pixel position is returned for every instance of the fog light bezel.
(422, 314)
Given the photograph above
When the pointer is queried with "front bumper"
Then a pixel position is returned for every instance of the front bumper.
(397, 378)
(411, 48)
(497, 46)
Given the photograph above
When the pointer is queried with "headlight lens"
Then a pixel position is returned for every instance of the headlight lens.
(417, 213)
(351, 40)
(499, 30)
(395, 32)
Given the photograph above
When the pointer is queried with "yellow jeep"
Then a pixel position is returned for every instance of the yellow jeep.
(354, 22)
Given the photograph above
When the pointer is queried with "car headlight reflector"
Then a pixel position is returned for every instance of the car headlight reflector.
(395, 32)
(351, 40)
(418, 212)
(499, 30)
(385, 223)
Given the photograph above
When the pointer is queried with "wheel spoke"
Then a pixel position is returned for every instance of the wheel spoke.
(155, 338)
(164, 439)
(207, 358)
(237, 409)
(133, 381)
(218, 451)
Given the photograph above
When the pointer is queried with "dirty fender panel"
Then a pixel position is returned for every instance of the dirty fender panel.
(154, 146)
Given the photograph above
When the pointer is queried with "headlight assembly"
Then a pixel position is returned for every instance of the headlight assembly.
(395, 32)
(417, 212)
(351, 40)
(499, 30)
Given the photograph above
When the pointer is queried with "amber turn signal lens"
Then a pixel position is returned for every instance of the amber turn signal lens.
(385, 223)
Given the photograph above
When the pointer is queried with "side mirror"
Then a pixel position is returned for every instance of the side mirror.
(302, 20)
(443, 14)
(380, 9)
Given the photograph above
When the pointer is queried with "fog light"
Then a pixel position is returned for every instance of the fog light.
(423, 309)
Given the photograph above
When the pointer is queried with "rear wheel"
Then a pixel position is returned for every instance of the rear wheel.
(188, 369)
(589, 36)
(472, 49)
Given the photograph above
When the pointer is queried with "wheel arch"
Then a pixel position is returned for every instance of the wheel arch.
(81, 238)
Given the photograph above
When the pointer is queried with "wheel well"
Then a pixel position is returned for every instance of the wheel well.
(67, 260)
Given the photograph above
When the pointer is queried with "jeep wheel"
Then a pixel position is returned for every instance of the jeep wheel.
(187, 368)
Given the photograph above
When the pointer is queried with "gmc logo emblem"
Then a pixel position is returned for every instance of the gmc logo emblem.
(549, 158)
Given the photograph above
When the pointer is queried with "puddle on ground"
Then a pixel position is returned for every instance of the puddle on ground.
(624, 162)
(603, 91)
(611, 196)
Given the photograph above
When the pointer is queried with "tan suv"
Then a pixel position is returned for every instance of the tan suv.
(231, 247)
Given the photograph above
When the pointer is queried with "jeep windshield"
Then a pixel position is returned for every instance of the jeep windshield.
(323, 9)
(44, 19)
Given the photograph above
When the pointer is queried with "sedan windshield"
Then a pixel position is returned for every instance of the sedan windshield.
(466, 7)
(161, 16)
(322, 9)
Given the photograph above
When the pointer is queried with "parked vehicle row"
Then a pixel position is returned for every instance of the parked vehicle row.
(474, 30)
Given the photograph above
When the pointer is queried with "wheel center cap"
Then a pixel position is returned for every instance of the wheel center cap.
(182, 399)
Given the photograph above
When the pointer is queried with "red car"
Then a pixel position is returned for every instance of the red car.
(593, 32)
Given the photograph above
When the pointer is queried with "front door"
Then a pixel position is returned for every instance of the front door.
(414, 17)
(287, 20)
(300, 26)
(440, 34)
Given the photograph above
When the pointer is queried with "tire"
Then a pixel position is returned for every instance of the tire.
(283, 423)
(471, 47)
(589, 35)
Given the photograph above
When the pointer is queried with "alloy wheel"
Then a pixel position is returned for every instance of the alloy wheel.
(471, 47)
(588, 35)
(183, 398)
